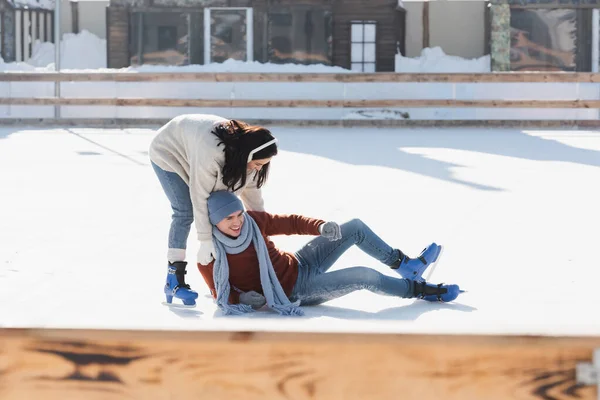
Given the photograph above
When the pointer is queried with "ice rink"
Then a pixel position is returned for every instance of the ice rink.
(84, 225)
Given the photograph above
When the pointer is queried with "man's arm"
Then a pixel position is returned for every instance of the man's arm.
(286, 224)
(207, 274)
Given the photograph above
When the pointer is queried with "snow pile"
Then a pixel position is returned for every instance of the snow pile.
(77, 51)
(435, 60)
(240, 66)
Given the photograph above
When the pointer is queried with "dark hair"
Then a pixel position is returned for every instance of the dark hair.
(239, 139)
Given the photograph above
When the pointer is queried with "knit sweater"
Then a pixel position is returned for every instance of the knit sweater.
(244, 272)
(187, 146)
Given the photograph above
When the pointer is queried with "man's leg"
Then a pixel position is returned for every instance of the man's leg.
(321, 253)
(320, 288)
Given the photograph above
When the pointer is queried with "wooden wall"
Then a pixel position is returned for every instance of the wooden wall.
(383, 12)
(117, 37)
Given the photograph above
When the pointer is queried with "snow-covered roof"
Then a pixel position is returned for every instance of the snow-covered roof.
(43, 4)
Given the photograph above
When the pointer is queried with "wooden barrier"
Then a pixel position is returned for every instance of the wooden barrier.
(50, 101)
(349, 78)
(496, 77)
(344, 123)
(103, 364)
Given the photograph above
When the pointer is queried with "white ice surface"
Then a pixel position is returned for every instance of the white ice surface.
(83, 227)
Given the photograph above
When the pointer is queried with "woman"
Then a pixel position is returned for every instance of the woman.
(249, 271)
(194, 155)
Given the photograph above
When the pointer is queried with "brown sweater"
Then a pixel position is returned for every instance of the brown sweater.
(244, 272)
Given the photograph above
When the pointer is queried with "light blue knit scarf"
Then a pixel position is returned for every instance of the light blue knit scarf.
(272, 290)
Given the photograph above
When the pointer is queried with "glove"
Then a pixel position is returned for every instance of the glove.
(330, 230)
(206, 252)
(253, 299)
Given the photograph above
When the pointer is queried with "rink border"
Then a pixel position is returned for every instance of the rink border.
(135, 122)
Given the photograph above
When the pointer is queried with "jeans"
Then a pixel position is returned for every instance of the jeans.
(178, 193)
(315, 285)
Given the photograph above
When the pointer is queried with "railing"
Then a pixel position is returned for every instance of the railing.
(340, 98)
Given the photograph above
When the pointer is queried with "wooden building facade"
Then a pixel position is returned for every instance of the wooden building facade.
(353, 34)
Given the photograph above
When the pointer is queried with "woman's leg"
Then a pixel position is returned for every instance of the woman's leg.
(178, 193)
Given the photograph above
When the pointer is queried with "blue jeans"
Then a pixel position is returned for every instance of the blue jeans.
(315, 285)
(178, 193)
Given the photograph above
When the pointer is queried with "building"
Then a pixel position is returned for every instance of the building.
(350, 33)
(520, 35)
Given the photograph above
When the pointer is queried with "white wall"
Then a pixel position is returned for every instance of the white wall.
(458, 27)
(414, 28)
(92, 17)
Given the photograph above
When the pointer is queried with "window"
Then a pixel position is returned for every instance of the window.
(362, 53)
(550, 40)
(229, 35)
(300, 36)
(166, 38)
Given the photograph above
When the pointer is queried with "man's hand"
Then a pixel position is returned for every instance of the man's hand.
(253, 299)
(331, 230)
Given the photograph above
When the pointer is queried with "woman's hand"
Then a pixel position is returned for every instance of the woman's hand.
(206, 252)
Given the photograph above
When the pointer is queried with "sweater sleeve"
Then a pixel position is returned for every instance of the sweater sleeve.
(292, 224)
(252, 196)
(207, 273)
(203, 177)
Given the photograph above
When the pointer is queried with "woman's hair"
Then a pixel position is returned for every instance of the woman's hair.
(239, 139)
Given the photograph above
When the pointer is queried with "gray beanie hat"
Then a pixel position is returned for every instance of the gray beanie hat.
(221, 204)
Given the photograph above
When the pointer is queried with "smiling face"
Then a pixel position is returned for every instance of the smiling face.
(231, 225)
(256, 165)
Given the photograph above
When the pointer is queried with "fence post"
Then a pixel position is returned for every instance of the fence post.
(57, 54)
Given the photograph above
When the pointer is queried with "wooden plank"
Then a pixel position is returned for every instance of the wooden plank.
(383, 77)
(149, 365)
(420, 103)
(343, 123)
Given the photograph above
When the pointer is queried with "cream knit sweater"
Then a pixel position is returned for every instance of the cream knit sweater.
(186, 146)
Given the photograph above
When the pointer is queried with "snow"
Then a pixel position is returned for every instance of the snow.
(435, 60)
(84, 224)
(43, 4)
(72, 47)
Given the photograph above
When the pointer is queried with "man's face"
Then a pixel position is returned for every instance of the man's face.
(232, 224)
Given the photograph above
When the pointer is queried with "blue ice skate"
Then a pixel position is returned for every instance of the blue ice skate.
(176, 286)
(413, 268)
(442, 293)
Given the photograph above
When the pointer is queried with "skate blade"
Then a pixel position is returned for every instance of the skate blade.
(433, 265)
(177, 305)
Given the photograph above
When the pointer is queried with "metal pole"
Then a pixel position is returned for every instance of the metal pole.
(596, 51)
(595, 41)
(57, 54)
